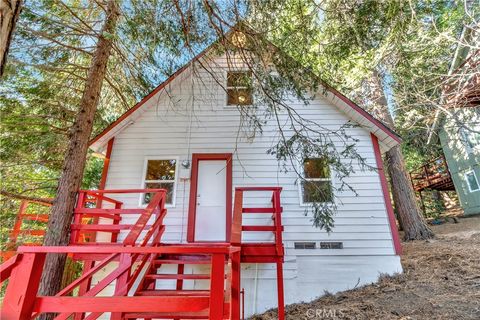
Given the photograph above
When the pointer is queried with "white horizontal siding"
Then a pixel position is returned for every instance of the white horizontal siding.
(162, 131)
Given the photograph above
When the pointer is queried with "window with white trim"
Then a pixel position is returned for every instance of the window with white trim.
(472, 181)
(316, 185)
(160, 174)
(239, 88)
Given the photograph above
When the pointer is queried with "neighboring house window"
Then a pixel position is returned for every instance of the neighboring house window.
(472, 181)
(471, 139)
(160, 174)
(316, 185)
(239, 88)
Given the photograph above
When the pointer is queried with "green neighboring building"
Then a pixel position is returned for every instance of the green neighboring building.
(460, 139)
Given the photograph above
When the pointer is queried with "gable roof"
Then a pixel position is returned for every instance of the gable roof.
(387, 137)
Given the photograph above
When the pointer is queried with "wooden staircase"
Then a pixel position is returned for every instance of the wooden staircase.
(149, 277)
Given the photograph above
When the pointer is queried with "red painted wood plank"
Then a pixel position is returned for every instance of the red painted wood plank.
(259, 250)
(102, 227)
(178, 276)
(94, 211)
(236, 232)
(217, 284)
(7, 267)
(261, 228)
(260, 210)
(180, 261)
(22, 288)
(32, 232)
(259, 188)
(182, 293)
(120, 304)
(202, 249)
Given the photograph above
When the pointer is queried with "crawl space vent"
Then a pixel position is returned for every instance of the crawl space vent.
(304, 245)
(331, 245)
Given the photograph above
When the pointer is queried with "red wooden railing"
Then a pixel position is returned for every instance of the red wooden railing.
(133, 255)
(29, 211)
(254, 252)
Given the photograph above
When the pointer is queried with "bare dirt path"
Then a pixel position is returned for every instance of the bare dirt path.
(441, 280)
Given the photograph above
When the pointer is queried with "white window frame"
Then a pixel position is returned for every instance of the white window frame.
(468, 182)
(227, 88)
(300, 189)
(144, 181)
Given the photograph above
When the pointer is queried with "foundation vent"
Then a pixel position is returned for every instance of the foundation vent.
(331, 245)
(305, 245)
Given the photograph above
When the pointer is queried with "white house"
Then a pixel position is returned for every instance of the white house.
(187, 130)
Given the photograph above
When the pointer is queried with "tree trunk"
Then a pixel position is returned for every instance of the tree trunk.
(9, 13)
(74, 163)
(409, 214)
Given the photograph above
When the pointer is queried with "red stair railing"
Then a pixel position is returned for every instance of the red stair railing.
(137, 257)
(21, 300)
(258, 252)
(31, 211)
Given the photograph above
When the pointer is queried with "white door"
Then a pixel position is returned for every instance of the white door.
(211, 206)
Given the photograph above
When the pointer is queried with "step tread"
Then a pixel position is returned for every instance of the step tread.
(192, 293)
(181, 261)
(178, 276)
(179, 315)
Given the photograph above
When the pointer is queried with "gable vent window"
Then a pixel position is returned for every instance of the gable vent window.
(317, 183)
(472, 181)
(160, 174)
(304, 245)
(239, 88)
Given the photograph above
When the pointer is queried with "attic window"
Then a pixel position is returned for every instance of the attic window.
(239, 88)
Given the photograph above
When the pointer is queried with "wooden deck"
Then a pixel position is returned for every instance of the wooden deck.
(136, 263)
(433, 175)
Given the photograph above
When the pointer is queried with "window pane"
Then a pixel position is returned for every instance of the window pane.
(239, 79)
(316, 168)
(241, 97)
(472, 181)
(316, 191)
(161, 170)
(159, 185)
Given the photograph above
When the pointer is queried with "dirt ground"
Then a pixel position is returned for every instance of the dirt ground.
(441, 280)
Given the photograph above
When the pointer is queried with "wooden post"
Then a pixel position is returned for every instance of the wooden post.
(122, 280)
(23, 286)
(235, 286)
(281, 301)
(180, 270)
(77, 218)
(217, 279)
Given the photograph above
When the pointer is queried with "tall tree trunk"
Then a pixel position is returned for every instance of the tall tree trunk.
(9, 13)
(409, 214)
(74, 163)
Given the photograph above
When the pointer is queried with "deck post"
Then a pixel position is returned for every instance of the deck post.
(22, 289)
(235, 286)
(217, 286)
(281, 301)
(122, 280)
